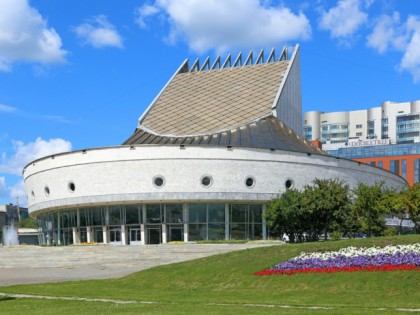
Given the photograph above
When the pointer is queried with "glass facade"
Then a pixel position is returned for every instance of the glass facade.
(156, 223)
(408, 128)
(376, 151)
(417, 171)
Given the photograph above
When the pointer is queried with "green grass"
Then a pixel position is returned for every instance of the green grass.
(225, 284)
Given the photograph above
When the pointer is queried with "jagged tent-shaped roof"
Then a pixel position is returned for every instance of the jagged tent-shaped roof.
(231, 103)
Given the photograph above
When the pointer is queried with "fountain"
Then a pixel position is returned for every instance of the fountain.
(10, 235)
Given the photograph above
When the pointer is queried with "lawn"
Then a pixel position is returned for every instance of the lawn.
(225, 284)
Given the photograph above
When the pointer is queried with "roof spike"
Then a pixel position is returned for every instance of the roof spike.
(196, 66)
(284, 54)
(260, 58)
(249, 59)
(238, 60)
(228, 61)
(216, 63)
(206, 64)
(272, 56)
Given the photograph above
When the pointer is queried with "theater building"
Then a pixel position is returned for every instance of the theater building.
(219, 141)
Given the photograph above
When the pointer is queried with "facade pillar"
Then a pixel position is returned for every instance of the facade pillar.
(264, 223)
(227, 228)
(142, 235)
(105, 234)
(89, 234)
(143, 225)
(185, 219)
(58, 228)
(76, 235)
(164, 236)
(124, 239)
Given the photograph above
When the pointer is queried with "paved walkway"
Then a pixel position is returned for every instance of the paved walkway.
(36, 264)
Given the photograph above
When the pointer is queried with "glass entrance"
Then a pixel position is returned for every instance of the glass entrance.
(135, 236)
(115, 236)
(154, 235)
(98, 235)
(175, 233)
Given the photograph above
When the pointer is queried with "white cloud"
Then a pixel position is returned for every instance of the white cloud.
(222, 25)
(2, 186)
(143, 12)
(25, 36)
(411, 58)
(6, 108)
(390, 33)
(99, 32)
(344, 19)
(25, 153)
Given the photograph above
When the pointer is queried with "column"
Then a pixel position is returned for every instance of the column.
(124, 239)
(185, 219)
(227, 234)
(76, 235)
(58, 228)
(89, 234)
(105, 234)
(142, 225)
(164, 236)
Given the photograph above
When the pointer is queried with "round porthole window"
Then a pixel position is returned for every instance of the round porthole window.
(72, 187)
(289, 183)
(158, 181)
(250, 182)
(206, 180)
(47, 190)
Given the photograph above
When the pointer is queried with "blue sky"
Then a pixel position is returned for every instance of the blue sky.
(77, 74)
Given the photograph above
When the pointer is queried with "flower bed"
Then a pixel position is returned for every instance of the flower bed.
(350, 259)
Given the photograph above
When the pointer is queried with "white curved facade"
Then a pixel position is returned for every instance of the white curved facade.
(125, 174)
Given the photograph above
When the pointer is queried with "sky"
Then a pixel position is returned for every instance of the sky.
(77, 74)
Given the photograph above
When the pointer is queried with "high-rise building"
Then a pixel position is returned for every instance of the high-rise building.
(391, 123)
(387, 137)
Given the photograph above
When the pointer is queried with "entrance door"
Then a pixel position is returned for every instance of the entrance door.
(115, 236)
(154, 235)
(175, 233)
(99, 235)
(135, 236)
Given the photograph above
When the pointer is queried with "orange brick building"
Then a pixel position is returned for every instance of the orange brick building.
(400, 159)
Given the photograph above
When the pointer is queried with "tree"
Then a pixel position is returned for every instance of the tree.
(27, 223)
(284, 215)
(367, 208)
(326, 203)
(393, 202)
(411, 202)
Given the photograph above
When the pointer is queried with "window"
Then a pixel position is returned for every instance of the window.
(404, 169)
(206, 180)
(289, 183)
(158, 181)
(47, 191)
(359, 126)
(359, 134)
(72, 187)
(250, 182)
(395, 166)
